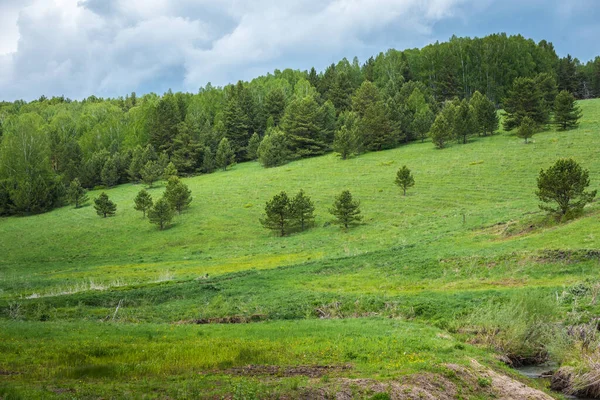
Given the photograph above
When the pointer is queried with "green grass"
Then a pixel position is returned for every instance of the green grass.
(469, 233)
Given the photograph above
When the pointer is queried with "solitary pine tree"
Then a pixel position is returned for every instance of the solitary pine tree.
(527, 128)
(104, 206)
(170, 171)
(161, 213)
(404, 178)
(346, 210)
(566, 112)
(278, 214)
(564, 183)
(303, 210)
(76, 194)
(225, 155)
(252, 149)
(143, 202)
(178, 194)
(151, 173)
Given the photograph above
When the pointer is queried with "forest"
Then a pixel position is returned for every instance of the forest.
(390, 99)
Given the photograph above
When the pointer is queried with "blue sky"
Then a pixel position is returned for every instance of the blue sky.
(112, 47)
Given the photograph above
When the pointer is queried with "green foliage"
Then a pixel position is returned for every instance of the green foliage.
(178, 194)
(143, 202)
(374, 126)
(346, 210)
(161, 213)
(525, 99)
(566, 112)
(527, 128)
(441, 130)
(346, 142)
(151, 172)
(252, 149)
(104, 206)
(274, 149)
(564, 183)
(303, 127)
(404, 179)
(485, 117)
(170, 171)
(464, 122)
(275, 103)
(303, 210)
(76, 194)
(110, 172)
(225, 156)
(278, 214)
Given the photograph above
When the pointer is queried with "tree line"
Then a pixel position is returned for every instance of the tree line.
(393, 98)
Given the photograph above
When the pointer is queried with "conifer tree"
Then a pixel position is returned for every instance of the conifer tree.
(273, 150)
(252, 149)
(346, 210)
(566, 112)
(374, 125)
(151, 173)
(441, 130)
(169, 171)
(275, 105)
(525, 99)
(303, 210)
(178, 194)
(302, 127)
(225, 155)
(143, 202)
(278, 214)
(76, 194)
(564, 183)
(104, 206)
(136, 164)
(237, 126)
(161, 213)
(422, 122)
(110, 172)
(208, 160)
(404, 179)
(527, 128)
(485, 117)
(463, 122)
(346, 142)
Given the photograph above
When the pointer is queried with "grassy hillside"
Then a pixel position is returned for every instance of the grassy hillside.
(469, 233)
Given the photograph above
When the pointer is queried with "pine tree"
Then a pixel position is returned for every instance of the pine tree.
(161, 213)
(463, 122)
(346, 142)
(273, 150)
(169, 171)
(485, 116)
(422, 122)
(374, 126)
(225, 155)
(404, 179)
(136, 165)
(525, 99)
(566, 112)
(275, 105)
(278, 214)
(302, 127)
(303, 210)
(151, 173)
(237, 126)
(346, 210)
(564, 183)
(441, 130)
(178, 194)
(110, 172)
(143, 202)
(104, 206)
(252, 149)
(208, 160)
(527, 128)
(76, 194)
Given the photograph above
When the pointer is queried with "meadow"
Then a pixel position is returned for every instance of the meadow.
(105, 306)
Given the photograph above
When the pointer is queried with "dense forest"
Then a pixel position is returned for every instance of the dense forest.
(388, 100)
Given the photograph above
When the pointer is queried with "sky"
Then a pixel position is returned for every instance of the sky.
(109, 48)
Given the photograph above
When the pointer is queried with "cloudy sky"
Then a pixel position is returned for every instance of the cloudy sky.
(112, 47)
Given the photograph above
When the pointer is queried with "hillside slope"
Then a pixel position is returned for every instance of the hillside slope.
(94, 306)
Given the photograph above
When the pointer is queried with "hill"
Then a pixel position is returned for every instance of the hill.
(108, 305)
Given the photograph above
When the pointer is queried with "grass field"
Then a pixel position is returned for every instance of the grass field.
(101, 307)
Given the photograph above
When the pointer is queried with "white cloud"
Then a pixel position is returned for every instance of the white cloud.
(111, 47)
